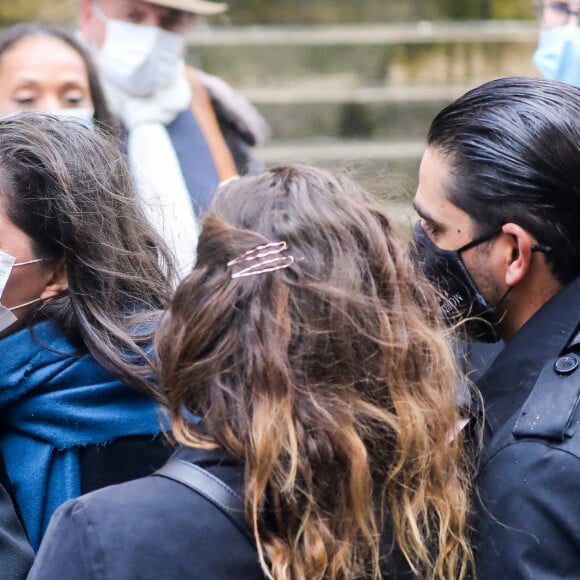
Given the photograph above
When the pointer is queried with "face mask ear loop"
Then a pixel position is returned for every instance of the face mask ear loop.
(541, 248)
(25, 304)
(480, 240)
(35, 261)
(500, 303)
(502, 300)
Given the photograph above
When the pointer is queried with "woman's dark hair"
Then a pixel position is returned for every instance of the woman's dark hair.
(514, 148)
(9, 37)
(70, 191)
(328, 375)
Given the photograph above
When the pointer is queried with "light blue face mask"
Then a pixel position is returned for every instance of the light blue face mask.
(83, 115)
(558, 54)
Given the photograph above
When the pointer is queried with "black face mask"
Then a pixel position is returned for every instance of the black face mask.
(459, 298)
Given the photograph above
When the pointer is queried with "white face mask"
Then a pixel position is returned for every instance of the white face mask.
(7, 262)
(136, 58)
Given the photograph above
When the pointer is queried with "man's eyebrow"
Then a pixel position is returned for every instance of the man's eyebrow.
(423, 214)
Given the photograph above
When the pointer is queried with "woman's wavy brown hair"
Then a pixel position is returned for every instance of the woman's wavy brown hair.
(331, 380)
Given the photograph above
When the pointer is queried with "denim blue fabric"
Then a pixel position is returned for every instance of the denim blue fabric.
(55, 398)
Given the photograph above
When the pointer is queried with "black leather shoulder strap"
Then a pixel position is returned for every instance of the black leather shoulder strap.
(211, 488)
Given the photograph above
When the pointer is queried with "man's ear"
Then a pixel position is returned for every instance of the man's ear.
(57, 282)
(520, 253)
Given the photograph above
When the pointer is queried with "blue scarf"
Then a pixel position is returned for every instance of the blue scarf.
(55, 398)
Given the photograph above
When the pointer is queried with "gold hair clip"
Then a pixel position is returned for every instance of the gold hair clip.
(263, 266)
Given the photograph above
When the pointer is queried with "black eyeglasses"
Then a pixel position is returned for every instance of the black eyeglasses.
(553, 14)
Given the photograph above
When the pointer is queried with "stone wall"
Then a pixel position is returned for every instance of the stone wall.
(59, 11)
(302, 11)
(335, 11)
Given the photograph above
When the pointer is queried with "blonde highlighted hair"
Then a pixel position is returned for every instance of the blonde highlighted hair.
(330, 379)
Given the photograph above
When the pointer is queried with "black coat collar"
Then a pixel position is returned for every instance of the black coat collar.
(507, 383)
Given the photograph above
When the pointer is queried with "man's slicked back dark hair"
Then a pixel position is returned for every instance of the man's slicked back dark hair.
(514, 148)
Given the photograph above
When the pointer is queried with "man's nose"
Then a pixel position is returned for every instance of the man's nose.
(49, 102)
(152, 18)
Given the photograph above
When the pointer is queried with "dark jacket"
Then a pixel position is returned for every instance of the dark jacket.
(15, 551)
(528, 520)
(155, 528)
(149, 529)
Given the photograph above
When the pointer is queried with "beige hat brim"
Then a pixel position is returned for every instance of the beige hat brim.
(200, 7)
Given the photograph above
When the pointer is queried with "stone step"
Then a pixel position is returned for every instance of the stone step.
(388, 167)
(333, 11)
(365, 55)
(370, 112)
(251, 12)
(341, 151)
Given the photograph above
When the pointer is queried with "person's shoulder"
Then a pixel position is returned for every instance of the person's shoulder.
(155, 527)
(542, 416)
(155, 500)
(527, 451)
(117, 502)
(132, 516)
(527, 469)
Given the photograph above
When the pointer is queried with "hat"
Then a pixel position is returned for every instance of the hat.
(201, 7)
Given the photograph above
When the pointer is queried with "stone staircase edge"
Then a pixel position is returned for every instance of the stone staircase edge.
(382, 34)
(360, 95)
(341, 150)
